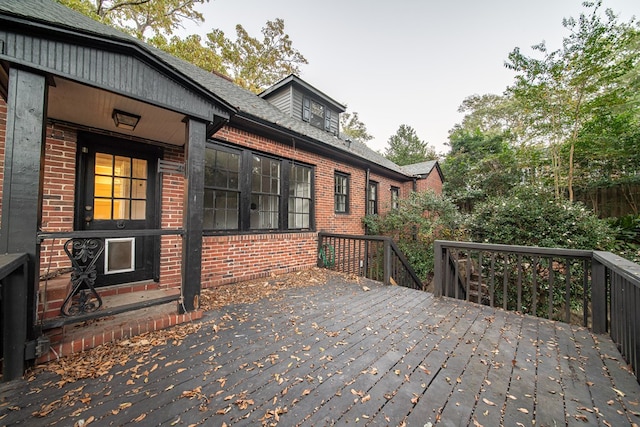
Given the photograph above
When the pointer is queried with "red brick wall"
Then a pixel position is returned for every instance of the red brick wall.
(58, 194)
(431, 182)
(171, 218)
(229, 259)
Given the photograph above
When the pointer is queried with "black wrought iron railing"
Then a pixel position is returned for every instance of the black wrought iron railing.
(80, 251)
(374, 257)
(596, 289)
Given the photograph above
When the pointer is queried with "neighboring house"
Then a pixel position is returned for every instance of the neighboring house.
(188, 180)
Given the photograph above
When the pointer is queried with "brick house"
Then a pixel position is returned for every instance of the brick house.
(171, 178)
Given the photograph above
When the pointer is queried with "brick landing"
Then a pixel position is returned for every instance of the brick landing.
(75, 338)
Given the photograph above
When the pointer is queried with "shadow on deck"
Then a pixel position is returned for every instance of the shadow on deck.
(339, 354)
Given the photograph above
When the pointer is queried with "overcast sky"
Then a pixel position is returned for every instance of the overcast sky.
(407, 62)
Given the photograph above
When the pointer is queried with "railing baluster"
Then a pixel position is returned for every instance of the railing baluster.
(468, 275)
(519, 268)
(585, 293)
(567, 290)
(492, 295)
(534, 295)
(505, 282)
(456, 279)
(551, 280)
(480, 278)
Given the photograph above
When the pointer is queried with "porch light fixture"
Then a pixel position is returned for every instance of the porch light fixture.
(124, 120)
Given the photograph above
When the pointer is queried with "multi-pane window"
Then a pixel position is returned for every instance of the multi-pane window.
(341, 193)
(246, 191)
(299, 196)
(120, 189)
(395, 196)
(222, 190)
(265, 193)
(372, 198)
(316, 114)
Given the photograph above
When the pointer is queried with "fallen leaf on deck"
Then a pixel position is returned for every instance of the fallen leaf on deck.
(488, 402)
(139, 418)
(523, 410)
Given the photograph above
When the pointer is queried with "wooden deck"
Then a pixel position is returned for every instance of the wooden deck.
(340, 354)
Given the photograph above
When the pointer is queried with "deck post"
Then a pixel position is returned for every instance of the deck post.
(14, 315)
(193, 214)
(22, 190)
(438, 260)
(599, 296)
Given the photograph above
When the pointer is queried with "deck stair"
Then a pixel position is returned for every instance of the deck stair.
(469, 279)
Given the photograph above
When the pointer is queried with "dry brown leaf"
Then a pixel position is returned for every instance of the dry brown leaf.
(223, 410)
(365, 398)
(139, 418)
(523, 410)
(488, 402)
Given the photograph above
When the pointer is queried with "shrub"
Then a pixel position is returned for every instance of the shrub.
(533, 218)
(418, 221)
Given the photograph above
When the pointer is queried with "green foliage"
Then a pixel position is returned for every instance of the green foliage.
(405, 148)
(257, 64)
(353, 128)
(480, 165)
(136, 17)
(251, 63)
(563, 90)
(191, 50)
(627, 237)
(534, 218)
(418, 221)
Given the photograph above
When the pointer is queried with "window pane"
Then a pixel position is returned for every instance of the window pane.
(264, 211)
(102, 208)
(103, 186)
(121, 187)
(104, 164)
(122, 166)
(120, 209)
(139, 189)
(138, 209)
(140, 168)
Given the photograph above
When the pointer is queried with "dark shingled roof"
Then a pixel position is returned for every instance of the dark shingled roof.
(423, 168)
(245, 102)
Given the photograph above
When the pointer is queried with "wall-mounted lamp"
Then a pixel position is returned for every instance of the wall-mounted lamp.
(125, 120)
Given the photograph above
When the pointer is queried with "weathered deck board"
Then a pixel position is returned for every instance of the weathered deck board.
(337, 354)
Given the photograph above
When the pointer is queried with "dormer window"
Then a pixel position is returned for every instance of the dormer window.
(299, 100)
(315, 113)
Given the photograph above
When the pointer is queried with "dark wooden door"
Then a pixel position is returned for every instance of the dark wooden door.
(117, 191)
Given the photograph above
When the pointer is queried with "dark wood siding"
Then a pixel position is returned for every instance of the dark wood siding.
(282, 100)
(112, 71)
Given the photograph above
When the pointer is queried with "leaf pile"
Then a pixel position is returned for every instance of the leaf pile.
(98, 361)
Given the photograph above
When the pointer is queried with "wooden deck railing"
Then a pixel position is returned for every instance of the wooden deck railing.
(374, 257)
(596, 289)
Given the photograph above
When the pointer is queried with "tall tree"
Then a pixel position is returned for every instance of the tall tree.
(406, 148)
(257, 64)
(137, 17)
(353, 128)
(480, 165)
(251, 63)
(565, 88)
